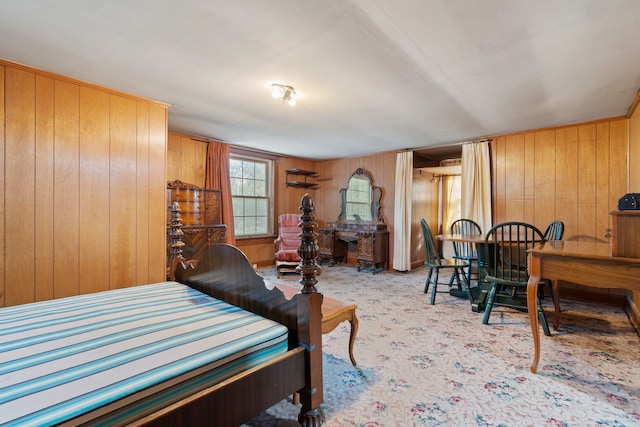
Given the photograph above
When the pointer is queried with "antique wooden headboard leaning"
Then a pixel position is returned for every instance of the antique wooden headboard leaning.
(169, 353)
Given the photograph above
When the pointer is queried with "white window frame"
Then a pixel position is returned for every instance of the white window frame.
(269, 197)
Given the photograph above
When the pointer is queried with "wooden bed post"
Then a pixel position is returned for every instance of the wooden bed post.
(175, 233)
(309, 313)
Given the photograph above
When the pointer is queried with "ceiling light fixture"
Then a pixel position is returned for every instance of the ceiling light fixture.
(284, 92)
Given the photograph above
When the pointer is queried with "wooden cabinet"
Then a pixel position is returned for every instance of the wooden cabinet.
(373, 248)
(200, 213)
(625, 231)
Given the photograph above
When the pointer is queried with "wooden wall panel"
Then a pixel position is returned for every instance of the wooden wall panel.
(157, 192)
(19, 180)
(567, 178)
(122, 204)
(2, 186)
(603, 206)
(499, 181)
(186, 159)
(587, 184)
(142, 192)
(174, 157)
(514, 176)
(529, 188)
(544, 169)
(44, 190)
(189, 170)
(579, 172)
(288, 198)
(77, 161)
(618, 161)
(94, 189)
(66, 189)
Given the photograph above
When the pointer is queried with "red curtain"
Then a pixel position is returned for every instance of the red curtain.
(217, 178)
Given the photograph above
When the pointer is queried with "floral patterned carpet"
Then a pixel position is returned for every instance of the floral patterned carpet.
(424, 365)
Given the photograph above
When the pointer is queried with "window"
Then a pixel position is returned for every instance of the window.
(251, 188)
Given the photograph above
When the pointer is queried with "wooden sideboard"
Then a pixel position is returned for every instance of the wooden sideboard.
(200, 214)
(372, 240)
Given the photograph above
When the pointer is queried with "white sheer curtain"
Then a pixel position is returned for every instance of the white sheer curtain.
(476, 184)
(451, 194)
(402, 212)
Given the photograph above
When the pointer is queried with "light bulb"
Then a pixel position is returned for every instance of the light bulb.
(292, 101)
(277, 91)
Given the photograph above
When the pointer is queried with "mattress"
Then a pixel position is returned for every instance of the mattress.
(62, 358)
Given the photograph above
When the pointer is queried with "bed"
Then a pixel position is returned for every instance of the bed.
(213, 347)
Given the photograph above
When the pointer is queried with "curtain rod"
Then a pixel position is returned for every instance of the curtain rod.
(241, 148)
(475, 141)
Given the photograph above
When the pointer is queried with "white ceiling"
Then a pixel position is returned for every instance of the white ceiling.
(375, 75)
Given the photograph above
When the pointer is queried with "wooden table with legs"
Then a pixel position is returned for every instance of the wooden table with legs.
(334, 312)
(584, 263)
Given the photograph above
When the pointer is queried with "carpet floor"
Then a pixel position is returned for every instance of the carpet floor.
(433, 365)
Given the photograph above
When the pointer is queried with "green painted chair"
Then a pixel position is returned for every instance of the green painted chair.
(466, 251)
(554, 231)
(506, 246)
(434, 262)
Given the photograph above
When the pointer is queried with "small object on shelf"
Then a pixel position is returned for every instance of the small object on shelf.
(301, 184)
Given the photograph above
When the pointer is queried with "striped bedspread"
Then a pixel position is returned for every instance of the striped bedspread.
(62, 358)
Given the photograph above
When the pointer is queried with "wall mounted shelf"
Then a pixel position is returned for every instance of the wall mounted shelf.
(301, 173)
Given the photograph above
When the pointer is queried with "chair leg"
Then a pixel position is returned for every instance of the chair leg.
(457, 272)
(426, 285)
(453, 275)
(556, 304)
(489, 304)
(435, 288)
(543, 320)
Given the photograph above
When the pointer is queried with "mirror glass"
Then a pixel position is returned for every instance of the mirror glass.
(358, 199)
(361, 199)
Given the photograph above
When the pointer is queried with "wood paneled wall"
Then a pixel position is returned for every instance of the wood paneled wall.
(83, 187)
(334, 175)
(575, 174)
(186, 159)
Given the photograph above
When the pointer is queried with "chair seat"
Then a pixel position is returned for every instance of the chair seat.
(448, 263)
(288, 255)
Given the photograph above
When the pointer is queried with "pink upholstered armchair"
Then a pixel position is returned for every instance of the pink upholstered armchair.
(287, 258)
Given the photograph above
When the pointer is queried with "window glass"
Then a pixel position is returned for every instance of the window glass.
(251, 188)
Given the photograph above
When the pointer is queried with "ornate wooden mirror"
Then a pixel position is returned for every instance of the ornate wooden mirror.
(360, 199)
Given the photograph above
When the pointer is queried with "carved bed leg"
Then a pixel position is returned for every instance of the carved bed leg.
(313, 418)
(310, 319)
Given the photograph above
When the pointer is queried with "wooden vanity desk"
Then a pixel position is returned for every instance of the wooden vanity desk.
(360, 223)
(372, 241)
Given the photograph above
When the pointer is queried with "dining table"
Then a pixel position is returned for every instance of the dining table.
(478, 293)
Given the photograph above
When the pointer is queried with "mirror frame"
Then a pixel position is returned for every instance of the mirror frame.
(376, 197)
